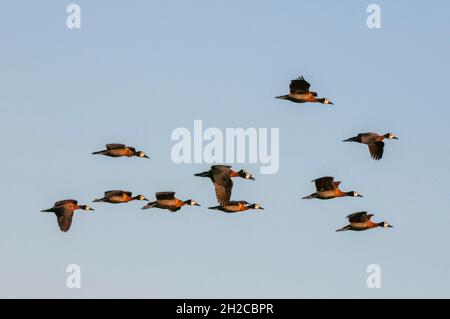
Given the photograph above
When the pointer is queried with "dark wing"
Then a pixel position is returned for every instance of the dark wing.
(114, 192)
(165, 195)
(368, 138)
(376, 150)
(223, 185)
(175, 209)
(64, 219)
(132, 149)
(236, 202)
(336, 184)
(299, 86)
(66, 201)
(217, 169)
(324, 183)
(115, 146)
(359, 217)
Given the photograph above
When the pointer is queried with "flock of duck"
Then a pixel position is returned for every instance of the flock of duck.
(221, 177)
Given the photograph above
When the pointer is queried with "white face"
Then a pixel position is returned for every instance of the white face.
(355, 194)
(141, 154)
(327, 101)
(141, 197)
(193, 202)
(392, 135)
(88, 207)
(385, 225)
(247, 175)
(257, 206)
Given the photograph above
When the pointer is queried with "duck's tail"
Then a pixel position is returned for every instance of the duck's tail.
(348, 227)
(98, 200)
(214, 207)
(351, 139)
(98, 153)
(282, 97)
(204, 174)
(309, 197)
(149, 205)
(50, 210)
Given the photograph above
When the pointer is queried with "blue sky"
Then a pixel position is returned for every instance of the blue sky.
(137, 70)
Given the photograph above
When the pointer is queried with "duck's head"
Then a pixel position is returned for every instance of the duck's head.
(325, 101)
(140, 197)
(191, 202)
(354, 194)
(390, 136)
(255, 206)
(86, 207)
(246, 175)
(385, 225)
(141, 154)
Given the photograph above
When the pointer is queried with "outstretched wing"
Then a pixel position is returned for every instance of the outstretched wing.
(359, 217)
(66, 201)
(299, 86)
(376, 150)
(165, 195)
(64, 220)
(115, 146)
(222, 185)
(324, 183)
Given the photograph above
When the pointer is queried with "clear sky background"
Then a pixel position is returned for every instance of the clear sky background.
(138, 69)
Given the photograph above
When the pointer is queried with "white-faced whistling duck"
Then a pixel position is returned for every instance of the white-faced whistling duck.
(236, 207)
(118, 150)
(167, 200)
(327, 188)
(64, 212)
(300, 93)
(119, 196)
(221, 175)
(361, 221)
(374, 141)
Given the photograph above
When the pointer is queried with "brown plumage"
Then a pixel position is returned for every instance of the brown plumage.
(374, 141)
(300, 93)
(327, 188)
(119, 196)
(221, 176)
(167, 200)
(119, 150)
(360, 221)
(64, 210)
(236, 207)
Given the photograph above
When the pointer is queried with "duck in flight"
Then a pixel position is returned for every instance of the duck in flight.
(374, 141)
(119, 150)
(221, 176)
(64, 210)
(236, 207)
(300, 93)
(167, 200)
(119, 196)
(361, 221)
(327, 188)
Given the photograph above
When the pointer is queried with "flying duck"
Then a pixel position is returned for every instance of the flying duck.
(221, 176)
(236, 206)
(119, 196)
(167, 200)
(361, 221)
(118, 150)
(64, 212)
(374, 141)
(327, 188)
(300, 93)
